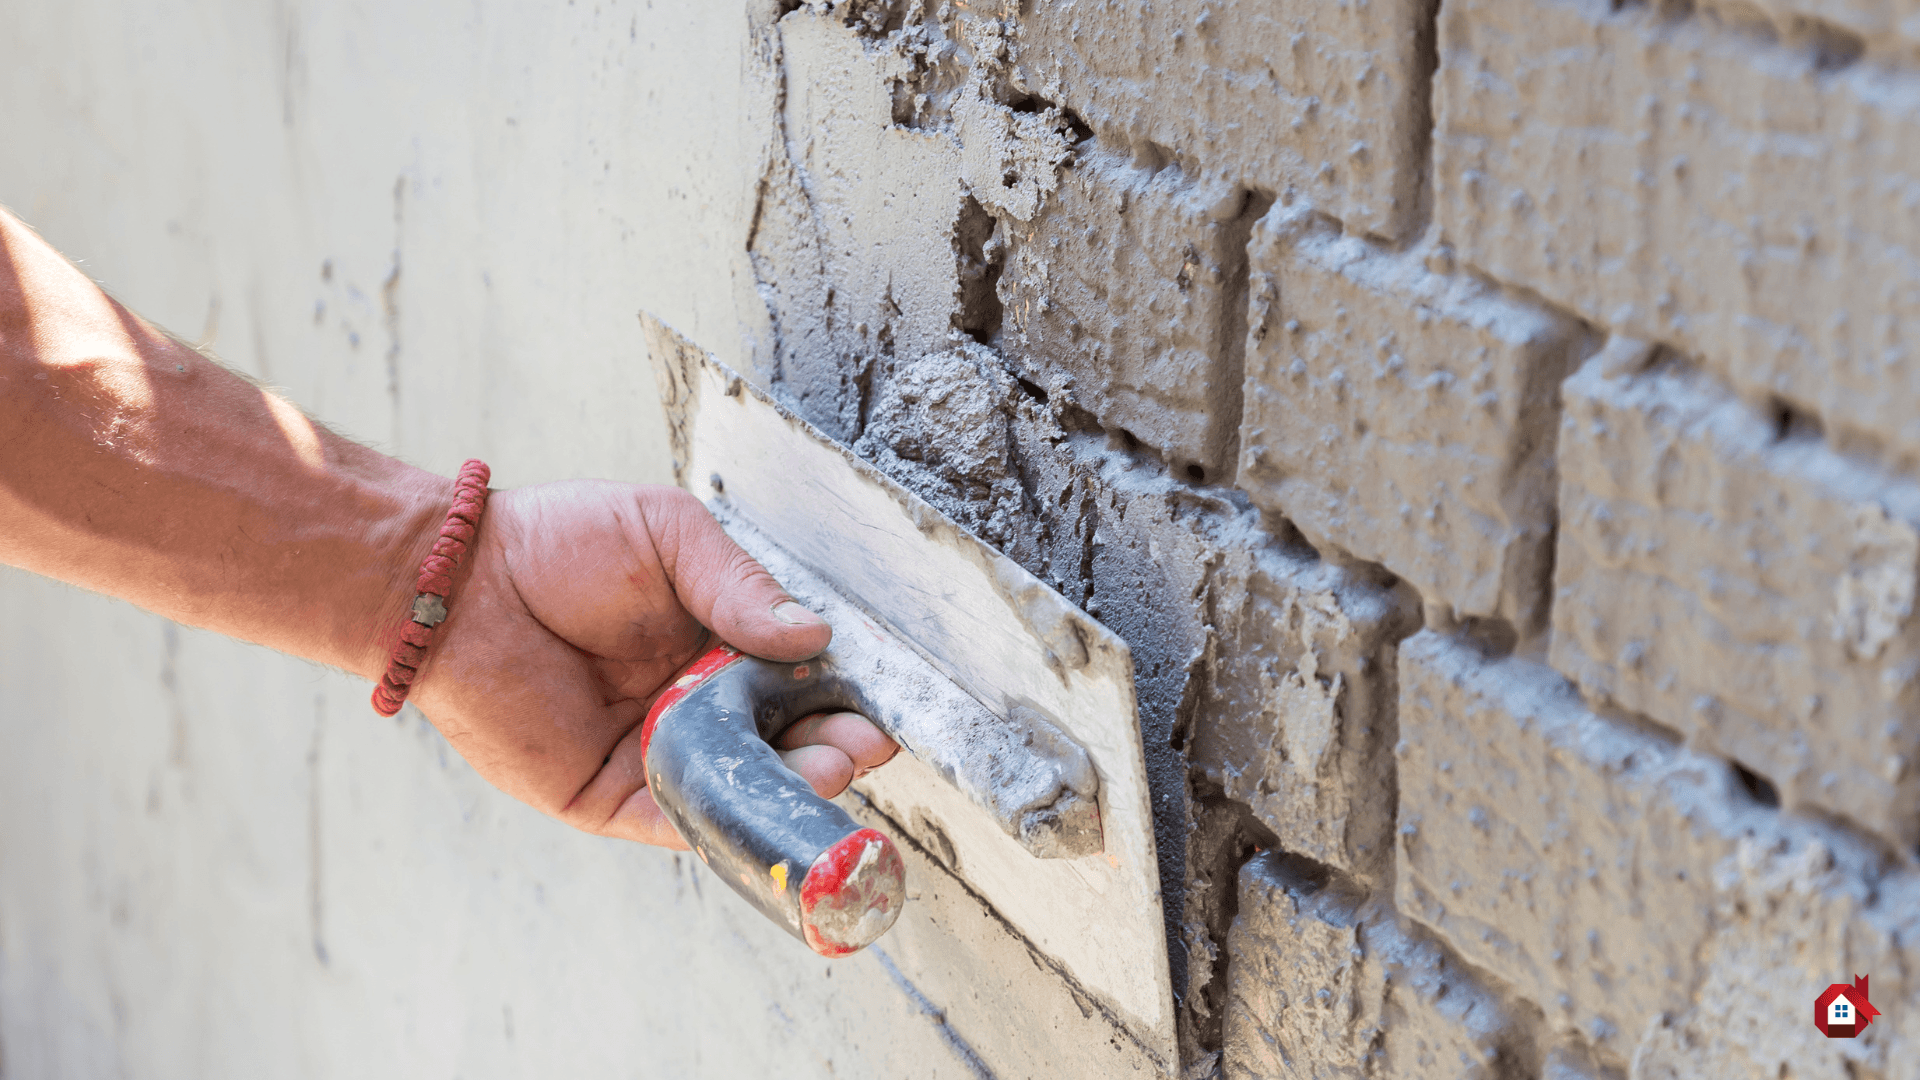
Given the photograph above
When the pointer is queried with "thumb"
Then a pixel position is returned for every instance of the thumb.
(730, 592)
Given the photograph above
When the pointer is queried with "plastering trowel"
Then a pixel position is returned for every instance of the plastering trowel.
(799, 858)
(1023, 774)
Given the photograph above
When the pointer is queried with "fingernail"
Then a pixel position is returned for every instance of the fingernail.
(794, 615)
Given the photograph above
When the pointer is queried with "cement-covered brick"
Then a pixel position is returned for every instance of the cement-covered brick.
(1127, 292)
(1744, 584)
(1325, 983)
(1295, 718)
(1789, 921)
(1575, 1059)
(1692, 180)
(1880, 25)
(1403, 413)
(1325, 101)
(1596, 866)
(1152, 545)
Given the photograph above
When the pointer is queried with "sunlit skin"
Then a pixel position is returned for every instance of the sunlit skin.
(134, 466)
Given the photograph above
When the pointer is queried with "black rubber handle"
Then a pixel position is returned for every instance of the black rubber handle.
(797, 857)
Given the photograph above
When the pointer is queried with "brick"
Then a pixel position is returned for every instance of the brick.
(1404, 415)
(1573, 1059)
(1874, 21)
(1595, 866)
(1791, 922)
(1689, 180)
(1296, 716)
(1324, 983)
(1752, 589)
(1152, 545)
(1127, 291)
(1327, 102)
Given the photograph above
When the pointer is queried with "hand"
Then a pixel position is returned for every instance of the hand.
(138, 468)
(584, 601)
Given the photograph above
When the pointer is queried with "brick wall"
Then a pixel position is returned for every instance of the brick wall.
(1490, 424)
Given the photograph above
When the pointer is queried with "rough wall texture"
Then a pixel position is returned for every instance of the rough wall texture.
(1490, 424)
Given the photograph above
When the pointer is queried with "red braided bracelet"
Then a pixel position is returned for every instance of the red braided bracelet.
(433, 587)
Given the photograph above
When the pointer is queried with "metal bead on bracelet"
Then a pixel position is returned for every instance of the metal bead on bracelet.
(434, 587)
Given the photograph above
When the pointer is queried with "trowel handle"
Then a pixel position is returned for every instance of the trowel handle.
(797, 857)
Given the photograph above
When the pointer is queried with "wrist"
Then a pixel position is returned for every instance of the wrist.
(415, 504)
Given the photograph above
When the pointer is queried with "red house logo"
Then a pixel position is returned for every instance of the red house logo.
(1842, 1011)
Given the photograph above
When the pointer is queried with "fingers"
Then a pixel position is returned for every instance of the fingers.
(864, 744)
(727, 590)
(827, 768)
(641, 820)
(615, 802)
(828, 750)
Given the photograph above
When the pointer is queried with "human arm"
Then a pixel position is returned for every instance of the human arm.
(134, 466)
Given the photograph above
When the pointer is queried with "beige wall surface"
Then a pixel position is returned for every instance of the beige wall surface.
(433, 224)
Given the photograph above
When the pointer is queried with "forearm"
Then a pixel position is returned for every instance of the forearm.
(133, 466)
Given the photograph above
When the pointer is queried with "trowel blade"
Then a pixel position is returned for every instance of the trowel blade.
(1034, 781)
(1002, 635)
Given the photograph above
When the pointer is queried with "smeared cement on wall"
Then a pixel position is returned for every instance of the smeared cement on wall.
(1486, 421)
(1266, 418)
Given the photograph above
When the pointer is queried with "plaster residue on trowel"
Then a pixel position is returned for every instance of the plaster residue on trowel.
(1021, 767)
(1036, 782)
